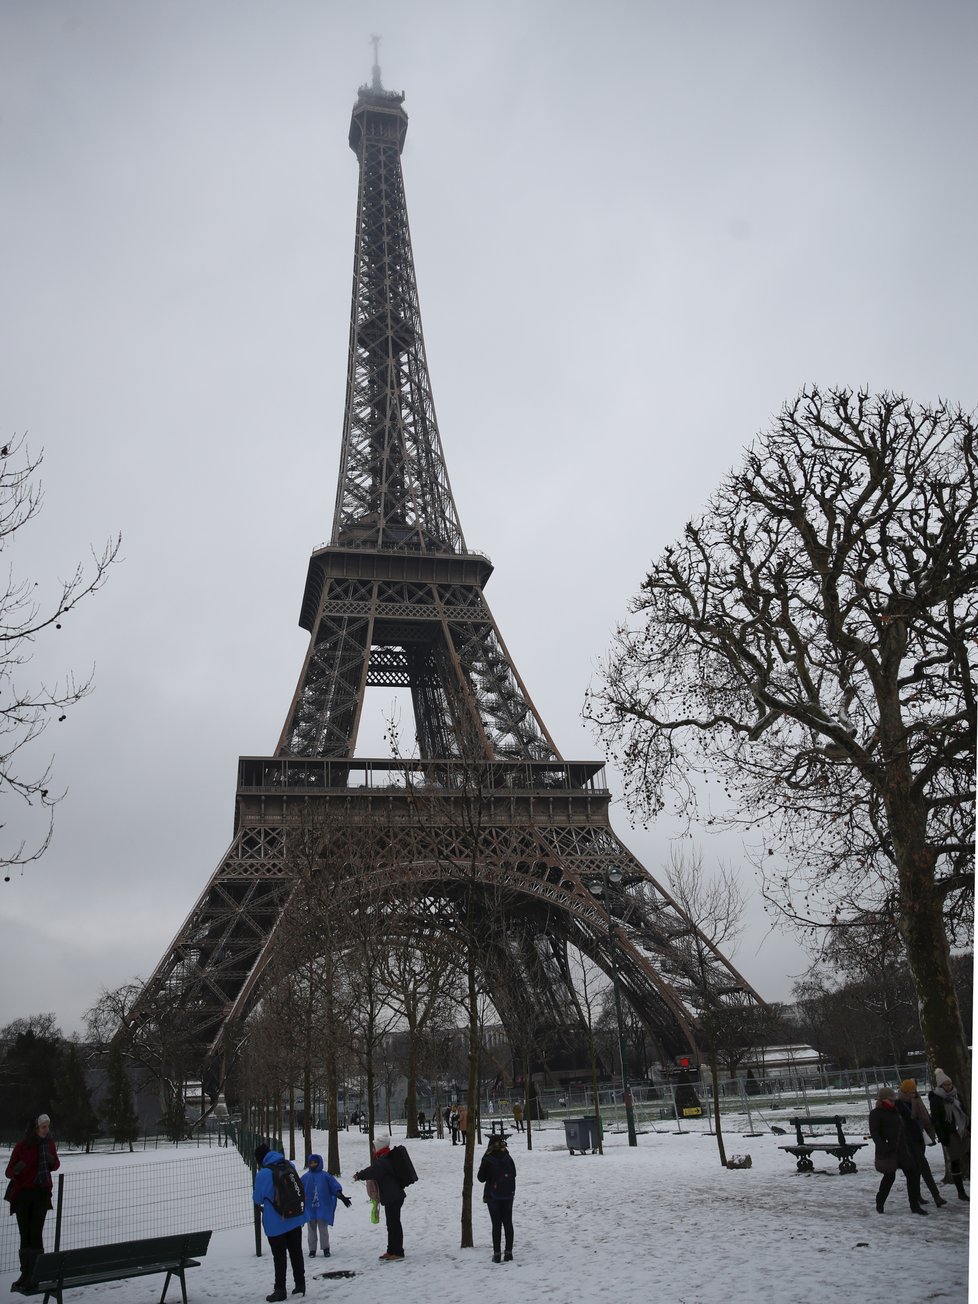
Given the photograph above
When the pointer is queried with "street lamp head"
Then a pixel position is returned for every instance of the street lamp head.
(615, 876)
(594, 886)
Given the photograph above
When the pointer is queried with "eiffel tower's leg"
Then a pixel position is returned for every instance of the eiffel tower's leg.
(510, 719)
(325, 713)
(211, 973)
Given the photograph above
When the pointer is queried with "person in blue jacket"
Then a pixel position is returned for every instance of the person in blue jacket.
(322, 1191)
(284, 1234)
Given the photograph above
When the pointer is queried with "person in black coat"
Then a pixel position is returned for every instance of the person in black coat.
(893, 1150)
(952, 1123)
(498, 1173)
(391, 1196)
(920, 1129)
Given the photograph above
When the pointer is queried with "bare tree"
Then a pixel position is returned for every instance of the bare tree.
(160, 1046)
(366, 944)
(716, 907)
(25, 711)
(807, 644)
(588, 984)
(419, 967)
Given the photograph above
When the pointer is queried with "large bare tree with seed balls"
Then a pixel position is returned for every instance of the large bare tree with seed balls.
(808, 646)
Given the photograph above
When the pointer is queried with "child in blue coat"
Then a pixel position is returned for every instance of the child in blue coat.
(322, 1191)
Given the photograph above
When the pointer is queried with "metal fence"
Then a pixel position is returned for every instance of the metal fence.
(120, 1201)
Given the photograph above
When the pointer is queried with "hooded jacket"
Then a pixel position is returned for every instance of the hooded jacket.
(264, 1196)
(321, 1190)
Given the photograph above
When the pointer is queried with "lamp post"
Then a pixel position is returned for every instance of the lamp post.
(599, 888)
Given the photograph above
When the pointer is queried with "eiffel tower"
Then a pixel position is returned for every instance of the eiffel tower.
(396, 599)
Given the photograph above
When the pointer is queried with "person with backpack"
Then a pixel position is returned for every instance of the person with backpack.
(278, 1193)
(498, 1172)
(391, 1194)
(322, 1190)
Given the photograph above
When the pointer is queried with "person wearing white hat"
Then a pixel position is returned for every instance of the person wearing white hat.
(952, 1124)
(31, 1164)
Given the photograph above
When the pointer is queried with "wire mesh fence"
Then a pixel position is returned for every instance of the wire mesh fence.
(119, 1201)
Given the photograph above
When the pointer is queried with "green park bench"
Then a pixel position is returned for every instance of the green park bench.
(62, 1269)
(841, 1149)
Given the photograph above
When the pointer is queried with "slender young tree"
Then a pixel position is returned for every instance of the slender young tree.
(716, 906)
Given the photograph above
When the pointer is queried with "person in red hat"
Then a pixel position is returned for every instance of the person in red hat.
(889, 1132)
(919, 1128)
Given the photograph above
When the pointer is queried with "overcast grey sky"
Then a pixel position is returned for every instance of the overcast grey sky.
(638, 228)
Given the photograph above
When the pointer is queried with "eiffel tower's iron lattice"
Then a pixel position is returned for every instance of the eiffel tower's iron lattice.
(397, 600)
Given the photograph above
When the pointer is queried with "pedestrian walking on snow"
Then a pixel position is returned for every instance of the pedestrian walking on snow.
(284, 1233)
(889, 1132)
(919, 1129)
(322, 1191)
(952, 1123)
(498, 1173)
(388, 1190)
(518, 1117)
(33, 1160)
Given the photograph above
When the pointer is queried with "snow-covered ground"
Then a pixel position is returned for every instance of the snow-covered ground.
(662, 1222)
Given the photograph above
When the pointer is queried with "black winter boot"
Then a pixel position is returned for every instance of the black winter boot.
(962, 1193)
(25, 1270)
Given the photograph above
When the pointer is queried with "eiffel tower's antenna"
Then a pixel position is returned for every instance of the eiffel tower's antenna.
(375, 83)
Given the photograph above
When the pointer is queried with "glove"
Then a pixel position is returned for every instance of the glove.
(19, 1167)
(346, 1200)
(357, 1177)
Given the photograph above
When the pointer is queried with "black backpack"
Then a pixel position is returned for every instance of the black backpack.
(288, 1197)
(402, 1168)
(502, 1183)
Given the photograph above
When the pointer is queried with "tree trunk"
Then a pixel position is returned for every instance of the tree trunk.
(527, 1112)
(307, 1103)
(332, 1120)
(411, 1107)
(921, 924)
(924, 936)
(291, 1120)
(471, 1100)
(715, 1078)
